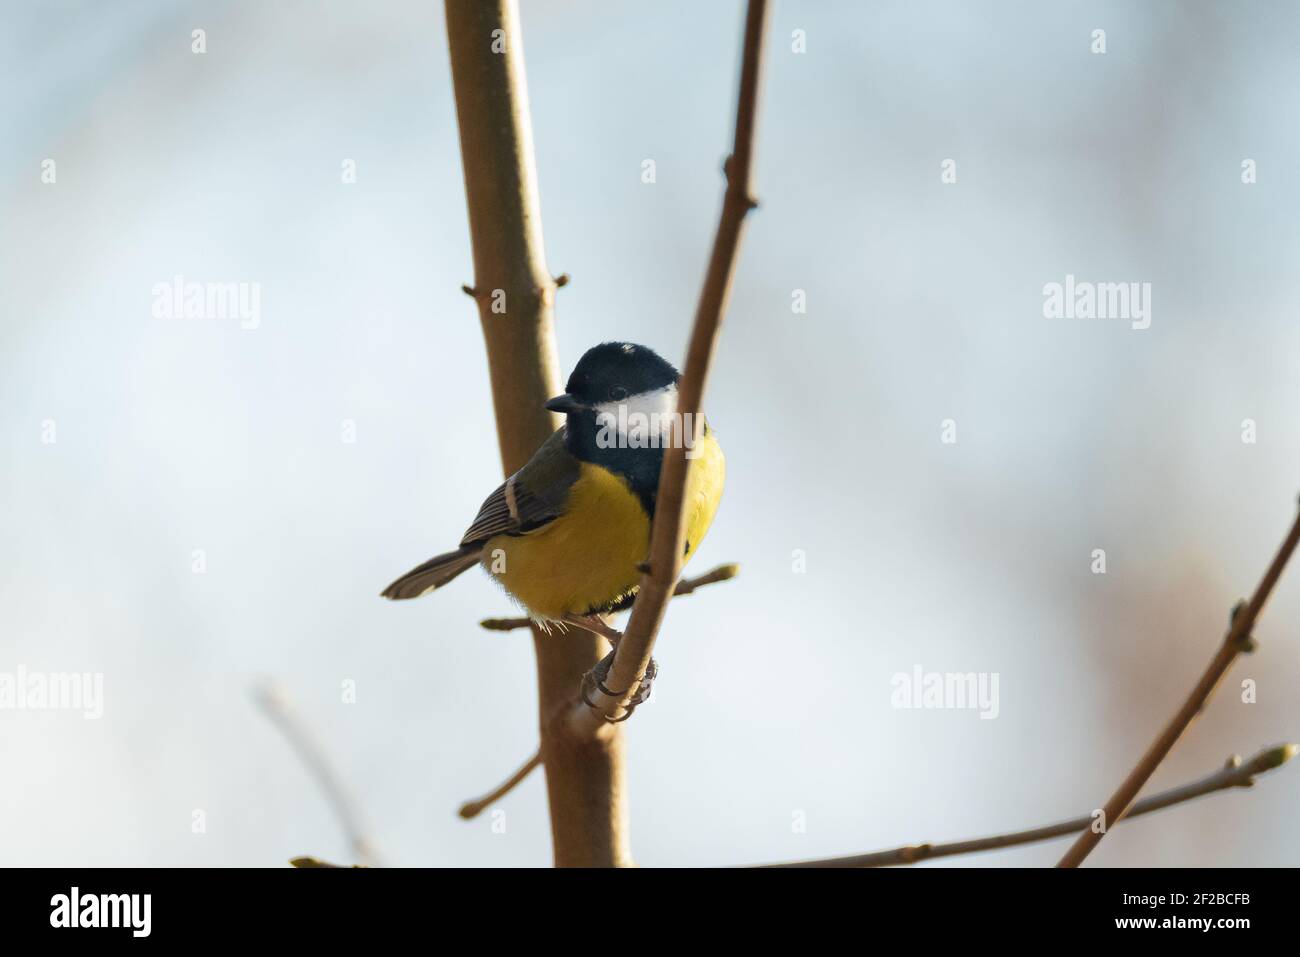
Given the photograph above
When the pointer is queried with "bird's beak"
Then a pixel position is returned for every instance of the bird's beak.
(565, 403)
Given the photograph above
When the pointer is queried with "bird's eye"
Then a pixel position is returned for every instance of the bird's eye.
(618, 393)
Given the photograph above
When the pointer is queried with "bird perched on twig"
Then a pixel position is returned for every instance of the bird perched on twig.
(569, 533)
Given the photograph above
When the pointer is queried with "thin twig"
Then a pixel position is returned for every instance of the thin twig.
(277, 707)
(312, 862)
(1234, 774)
(684, 587)
(668, 532)
(1237, 640)
(505, 624)
(720, 574)
(471, 809)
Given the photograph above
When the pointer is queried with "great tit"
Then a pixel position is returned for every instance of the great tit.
(568, 534)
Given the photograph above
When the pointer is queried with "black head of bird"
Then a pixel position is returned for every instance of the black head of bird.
(613, 373)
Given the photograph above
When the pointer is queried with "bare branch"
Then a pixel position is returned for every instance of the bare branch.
(275, 704)
(684, 587)
(668, 532)
(311, 862)
(1237, 640)
(722, 573)
(1234, 774)
(505, 624)
(584, 775)
(471, 809)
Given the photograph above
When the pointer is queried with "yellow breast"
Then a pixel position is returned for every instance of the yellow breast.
(589, 557)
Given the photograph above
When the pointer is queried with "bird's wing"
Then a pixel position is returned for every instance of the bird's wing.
(531, 498)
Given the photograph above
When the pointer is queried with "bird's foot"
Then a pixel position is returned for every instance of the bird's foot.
(596, 625)
(596, 678)
(643, 690)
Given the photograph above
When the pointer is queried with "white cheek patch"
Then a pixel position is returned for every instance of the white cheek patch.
(647, 416)
(660, 404)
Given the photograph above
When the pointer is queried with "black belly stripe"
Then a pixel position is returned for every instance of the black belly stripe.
(640, 467)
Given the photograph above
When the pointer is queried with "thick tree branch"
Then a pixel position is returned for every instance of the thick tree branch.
(584, 774)
(1234, 774)
(668, 532)
(1237, 640)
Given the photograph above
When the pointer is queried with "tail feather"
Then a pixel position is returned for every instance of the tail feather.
(434, 573)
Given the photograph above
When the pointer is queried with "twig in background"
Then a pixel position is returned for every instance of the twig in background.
(273, 701)
(1234, 774)
(1237, 640)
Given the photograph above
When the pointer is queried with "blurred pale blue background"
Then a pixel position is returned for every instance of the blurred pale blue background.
(924, 303)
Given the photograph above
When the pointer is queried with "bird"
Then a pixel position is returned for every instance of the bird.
(568, 535)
